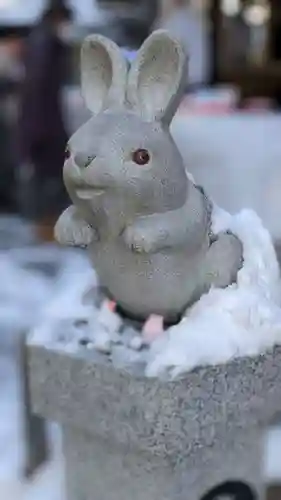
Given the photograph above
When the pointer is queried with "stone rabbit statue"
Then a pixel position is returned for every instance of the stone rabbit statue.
(146, 225)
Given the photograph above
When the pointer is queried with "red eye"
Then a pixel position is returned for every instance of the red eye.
(67, 153)
(141, 157)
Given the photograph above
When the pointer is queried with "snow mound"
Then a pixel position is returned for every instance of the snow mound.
(30, 278)
(242, 320)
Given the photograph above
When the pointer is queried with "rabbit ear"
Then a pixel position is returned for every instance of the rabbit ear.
(103, 74)
(157, 77)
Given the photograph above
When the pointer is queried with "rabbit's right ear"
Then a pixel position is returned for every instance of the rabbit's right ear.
(103, 74)
(157, 77)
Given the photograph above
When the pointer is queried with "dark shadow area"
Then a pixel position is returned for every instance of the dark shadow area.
(274, 492)
(231, 490)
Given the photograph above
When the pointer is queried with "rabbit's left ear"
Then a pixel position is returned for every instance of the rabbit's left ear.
(103, 74)
(157, 78)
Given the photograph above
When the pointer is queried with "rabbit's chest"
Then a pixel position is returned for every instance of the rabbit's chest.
(163, 283)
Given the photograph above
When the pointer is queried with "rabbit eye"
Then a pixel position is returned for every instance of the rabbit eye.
(67, 153)
(141, 156)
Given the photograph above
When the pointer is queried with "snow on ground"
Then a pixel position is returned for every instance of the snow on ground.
(31, 275)
(48, 482)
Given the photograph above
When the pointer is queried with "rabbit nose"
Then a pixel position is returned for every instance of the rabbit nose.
(83, 160)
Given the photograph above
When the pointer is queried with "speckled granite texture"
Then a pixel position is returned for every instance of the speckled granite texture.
(126, 436)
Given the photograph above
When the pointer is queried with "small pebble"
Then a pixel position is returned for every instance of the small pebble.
(103, 342)
(104, 347)
(108, 319)
(62, 338)
(136, 343)
(81, 323)
(84, 342)
(116, 339)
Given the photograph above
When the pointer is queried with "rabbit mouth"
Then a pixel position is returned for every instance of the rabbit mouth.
(89, 193)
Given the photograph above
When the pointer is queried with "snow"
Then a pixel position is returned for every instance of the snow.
(48, 482)
(31, 275)
(242, 320)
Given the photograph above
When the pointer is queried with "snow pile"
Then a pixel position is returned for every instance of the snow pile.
(30, 278)
(22, 294)
(242, 320)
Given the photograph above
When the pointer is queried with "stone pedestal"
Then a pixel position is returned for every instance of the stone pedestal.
(132, 437)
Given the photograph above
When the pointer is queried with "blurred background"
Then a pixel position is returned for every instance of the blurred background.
(228, 129)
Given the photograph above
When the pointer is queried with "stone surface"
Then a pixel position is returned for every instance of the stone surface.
(114, 473)
(34, 427)
(146, 225)
(167, 438)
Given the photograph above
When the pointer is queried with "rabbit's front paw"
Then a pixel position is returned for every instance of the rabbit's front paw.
(82, 235)
(139, 240)
(71, 230)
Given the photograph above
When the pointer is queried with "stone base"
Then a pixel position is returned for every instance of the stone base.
(132, 437)
(100, 470)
